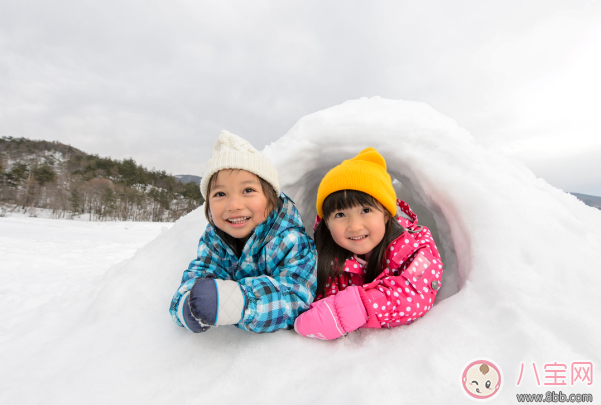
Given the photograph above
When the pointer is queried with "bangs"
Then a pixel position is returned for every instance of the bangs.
(213, 179)
(343, 199)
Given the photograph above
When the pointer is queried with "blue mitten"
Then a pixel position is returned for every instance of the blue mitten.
(185, 316)
(204, 301)
(216, 302)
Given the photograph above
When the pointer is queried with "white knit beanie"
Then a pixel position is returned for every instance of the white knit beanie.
(232, 152)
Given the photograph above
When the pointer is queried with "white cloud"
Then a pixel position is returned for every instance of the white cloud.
(157, 81)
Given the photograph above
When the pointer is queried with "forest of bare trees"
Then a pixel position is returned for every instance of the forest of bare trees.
(69, 182)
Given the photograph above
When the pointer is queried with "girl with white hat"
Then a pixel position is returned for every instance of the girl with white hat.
(256, 265)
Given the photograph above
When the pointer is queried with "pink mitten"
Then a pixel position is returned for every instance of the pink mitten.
(333, 316)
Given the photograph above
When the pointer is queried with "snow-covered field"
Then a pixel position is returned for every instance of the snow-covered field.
(520, 286)
(52, 259)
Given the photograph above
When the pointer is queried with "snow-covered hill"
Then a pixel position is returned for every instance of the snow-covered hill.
(590, 200)
(520, 285)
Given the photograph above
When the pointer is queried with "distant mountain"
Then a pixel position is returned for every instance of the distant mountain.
(188, 178)
(70, 182)
(590, 200)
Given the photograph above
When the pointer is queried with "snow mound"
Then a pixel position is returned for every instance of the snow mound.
(520, 285)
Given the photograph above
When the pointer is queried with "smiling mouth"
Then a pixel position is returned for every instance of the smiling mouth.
(359, 237)
(478, 390)
(239, 220)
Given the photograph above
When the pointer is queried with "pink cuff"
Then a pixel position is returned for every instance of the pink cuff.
(368, 303)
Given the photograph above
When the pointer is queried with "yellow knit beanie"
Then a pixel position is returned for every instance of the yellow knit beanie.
(365, 172)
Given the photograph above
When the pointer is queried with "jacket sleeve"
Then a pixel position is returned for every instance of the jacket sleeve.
(275, 299)
(399, 300)
(210, 256)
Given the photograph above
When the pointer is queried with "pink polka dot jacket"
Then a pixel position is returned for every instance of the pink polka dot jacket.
(404, 291)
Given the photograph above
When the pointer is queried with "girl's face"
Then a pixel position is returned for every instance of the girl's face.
(357, 229)
(237, 202)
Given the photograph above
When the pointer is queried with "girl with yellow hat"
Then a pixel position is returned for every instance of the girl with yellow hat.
(375, 269)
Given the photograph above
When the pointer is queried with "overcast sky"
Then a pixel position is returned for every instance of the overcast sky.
(158, 80)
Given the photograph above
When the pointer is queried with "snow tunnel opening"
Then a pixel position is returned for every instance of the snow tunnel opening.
(304, 194)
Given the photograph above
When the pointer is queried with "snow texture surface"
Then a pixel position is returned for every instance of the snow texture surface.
(520, 285)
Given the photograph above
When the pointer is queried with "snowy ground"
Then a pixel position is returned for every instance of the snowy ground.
(15, 211)
(522, 273)
(51, 259)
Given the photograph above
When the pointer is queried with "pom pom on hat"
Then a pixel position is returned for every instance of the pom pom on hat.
(365, 172)
(232, 152)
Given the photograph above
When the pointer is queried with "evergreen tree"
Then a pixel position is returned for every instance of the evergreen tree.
(75, 202)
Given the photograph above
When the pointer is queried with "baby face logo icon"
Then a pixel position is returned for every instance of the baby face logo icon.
(481, 379)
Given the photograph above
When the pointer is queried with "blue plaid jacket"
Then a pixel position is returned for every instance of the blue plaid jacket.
(276, 270)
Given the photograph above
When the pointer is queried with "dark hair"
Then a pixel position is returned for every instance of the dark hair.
(331, 256)
(484, 369)
(268, 190)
